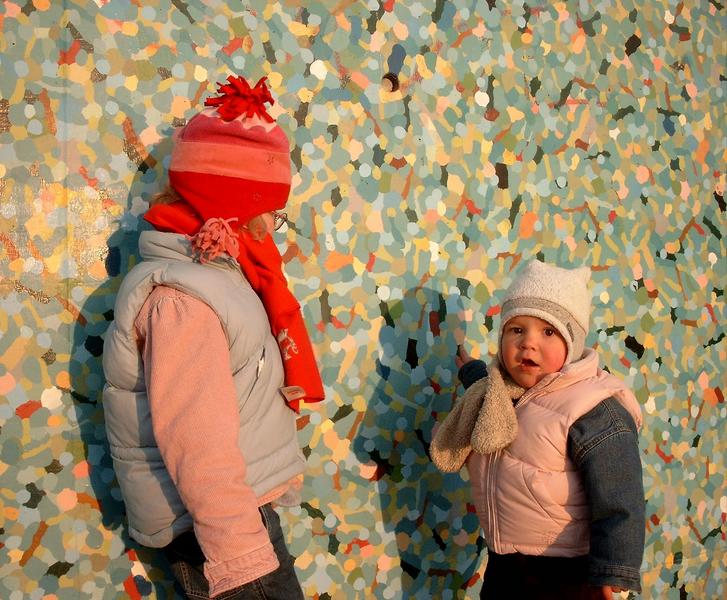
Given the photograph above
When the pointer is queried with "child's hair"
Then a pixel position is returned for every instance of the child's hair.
(558, 296)
(167, 196)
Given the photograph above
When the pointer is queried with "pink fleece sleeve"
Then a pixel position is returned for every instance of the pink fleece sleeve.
(196, 421)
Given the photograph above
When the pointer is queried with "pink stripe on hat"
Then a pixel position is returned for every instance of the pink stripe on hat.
(240, 161)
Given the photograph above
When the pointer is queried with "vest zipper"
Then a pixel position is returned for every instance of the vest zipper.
(260, 365)
(493, 462)
(535, 391)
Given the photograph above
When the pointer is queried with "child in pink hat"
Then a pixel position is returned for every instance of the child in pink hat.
(208, 360)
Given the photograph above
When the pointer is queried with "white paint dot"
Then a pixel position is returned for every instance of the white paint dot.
(482, 98)
(318, 69)
(51, 398)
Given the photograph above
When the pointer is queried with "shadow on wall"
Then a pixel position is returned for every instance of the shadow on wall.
(437, 535)
(87, 380)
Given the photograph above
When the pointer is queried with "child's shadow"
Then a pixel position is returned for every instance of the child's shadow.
(87, 377)
(436, 529)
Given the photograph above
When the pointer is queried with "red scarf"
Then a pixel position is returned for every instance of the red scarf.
(261, 263)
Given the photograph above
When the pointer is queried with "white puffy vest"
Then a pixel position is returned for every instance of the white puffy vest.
(529, 496)
(267, 438)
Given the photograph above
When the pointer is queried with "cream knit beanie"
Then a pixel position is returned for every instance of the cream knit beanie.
(558, 296)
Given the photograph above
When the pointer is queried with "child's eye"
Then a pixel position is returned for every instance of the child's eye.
(516, 330)
(549, 332)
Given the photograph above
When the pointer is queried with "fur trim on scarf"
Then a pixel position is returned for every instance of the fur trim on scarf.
(483, 421)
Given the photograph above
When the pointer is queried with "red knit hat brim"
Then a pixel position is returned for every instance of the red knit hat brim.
(228, 197)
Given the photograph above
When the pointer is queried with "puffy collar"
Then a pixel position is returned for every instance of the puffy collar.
(161, 245)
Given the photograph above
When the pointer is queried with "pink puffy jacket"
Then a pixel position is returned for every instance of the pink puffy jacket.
(529, 496)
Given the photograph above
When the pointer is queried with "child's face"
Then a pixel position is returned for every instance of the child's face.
(531, 349)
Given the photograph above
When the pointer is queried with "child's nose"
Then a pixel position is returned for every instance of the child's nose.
(527, 340)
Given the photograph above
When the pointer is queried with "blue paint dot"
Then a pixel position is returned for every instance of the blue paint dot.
(35, 127)
(142, 585)
(21, 68)
(669, 125)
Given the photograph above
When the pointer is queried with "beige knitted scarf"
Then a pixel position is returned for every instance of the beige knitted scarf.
(483, 420)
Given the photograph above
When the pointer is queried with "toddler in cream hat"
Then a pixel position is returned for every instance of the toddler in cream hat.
(550, 443)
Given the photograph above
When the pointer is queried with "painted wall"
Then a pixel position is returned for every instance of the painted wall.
(578, 132)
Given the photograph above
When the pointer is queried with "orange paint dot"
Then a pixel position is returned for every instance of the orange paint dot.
(66, 499)
(55, 421)
(336, 261)
(367, 471)
(41, 5)
(97, 270)
(81, 469)
(431, 216)
(642, 174)
(7, 383)
(710, 396)
(527, 224)
(63, 380)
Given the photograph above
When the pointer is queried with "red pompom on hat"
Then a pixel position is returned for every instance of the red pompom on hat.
(231, 160)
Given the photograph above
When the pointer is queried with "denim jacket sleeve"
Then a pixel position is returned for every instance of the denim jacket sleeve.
(603, 444)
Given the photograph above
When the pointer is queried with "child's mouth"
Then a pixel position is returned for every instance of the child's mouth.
(526, 362)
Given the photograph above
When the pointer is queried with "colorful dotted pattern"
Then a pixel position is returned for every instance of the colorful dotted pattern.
(578, 132)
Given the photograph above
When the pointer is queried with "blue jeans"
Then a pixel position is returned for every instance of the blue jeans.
(187, 559)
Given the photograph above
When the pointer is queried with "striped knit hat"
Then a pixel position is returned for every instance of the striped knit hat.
(231, 159)
(558, 296)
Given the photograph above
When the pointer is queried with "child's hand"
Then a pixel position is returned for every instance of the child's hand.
(462, 357)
